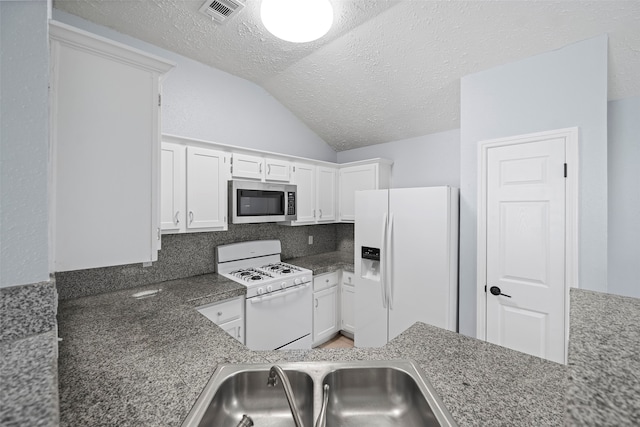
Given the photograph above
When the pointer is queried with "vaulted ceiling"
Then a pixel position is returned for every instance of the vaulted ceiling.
(387, 70)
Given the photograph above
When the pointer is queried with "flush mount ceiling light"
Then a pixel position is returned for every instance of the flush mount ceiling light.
(297, 21)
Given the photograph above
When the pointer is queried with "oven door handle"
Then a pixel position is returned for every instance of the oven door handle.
(256, 300)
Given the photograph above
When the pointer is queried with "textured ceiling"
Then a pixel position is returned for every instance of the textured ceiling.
(387, 70)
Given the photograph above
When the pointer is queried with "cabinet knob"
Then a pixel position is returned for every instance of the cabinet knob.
(219, 313)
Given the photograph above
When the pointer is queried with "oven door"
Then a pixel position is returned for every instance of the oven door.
(279, 318)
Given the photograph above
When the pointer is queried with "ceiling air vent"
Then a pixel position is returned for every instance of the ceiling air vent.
(221, 10)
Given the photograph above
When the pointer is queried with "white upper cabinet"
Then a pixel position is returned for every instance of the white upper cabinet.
(172, 187)
(304, 177)
(327, 179)
(193, 188)
(246, 166)
(277, 170)
(371, 176)
(207, 176)
(105, 139)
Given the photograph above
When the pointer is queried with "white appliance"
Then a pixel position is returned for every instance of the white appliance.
(406, 261)
(278, 305)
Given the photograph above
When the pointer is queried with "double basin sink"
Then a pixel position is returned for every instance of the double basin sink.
(367, 393)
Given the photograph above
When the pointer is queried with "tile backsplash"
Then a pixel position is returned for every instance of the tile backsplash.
(191, 254)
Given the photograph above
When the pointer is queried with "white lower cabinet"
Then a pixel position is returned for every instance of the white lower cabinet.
(347, 302)
(228, 314)
(325, 307)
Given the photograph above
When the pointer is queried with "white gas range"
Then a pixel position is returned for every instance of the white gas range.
(278, 307)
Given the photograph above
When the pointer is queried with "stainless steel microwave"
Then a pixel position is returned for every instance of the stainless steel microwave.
(251, 201)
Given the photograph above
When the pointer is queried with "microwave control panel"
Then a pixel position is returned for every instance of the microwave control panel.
(291, 203)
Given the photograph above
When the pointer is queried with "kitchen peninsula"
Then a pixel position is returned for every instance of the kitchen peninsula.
(144, 361)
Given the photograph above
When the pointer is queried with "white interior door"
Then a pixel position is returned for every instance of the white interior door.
(525, 229)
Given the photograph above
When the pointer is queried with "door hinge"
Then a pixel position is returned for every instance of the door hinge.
(565, 170)
(159, 100)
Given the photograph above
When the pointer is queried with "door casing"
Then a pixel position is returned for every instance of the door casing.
(570, 136)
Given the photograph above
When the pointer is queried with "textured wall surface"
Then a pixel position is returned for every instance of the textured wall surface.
(424, 161)
(624, 197)
(386, 70)
(24, 142)
(205, 103)
(184, 255)
(558, 89)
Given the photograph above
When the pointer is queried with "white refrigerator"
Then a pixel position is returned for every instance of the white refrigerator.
(406, 261)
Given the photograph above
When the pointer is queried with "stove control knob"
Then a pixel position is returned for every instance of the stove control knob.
(269, 288)
(260, 291)
(283, 285)
(297, 281)
(304, 279)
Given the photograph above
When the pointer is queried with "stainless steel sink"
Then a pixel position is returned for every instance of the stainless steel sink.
(378, 396)
(366, 393)
(236, 390)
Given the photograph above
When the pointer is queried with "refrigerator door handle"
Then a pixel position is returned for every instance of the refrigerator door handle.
(389, 263)
(383, 267)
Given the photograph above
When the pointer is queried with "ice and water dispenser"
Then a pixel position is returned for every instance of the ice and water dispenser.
(370, 268)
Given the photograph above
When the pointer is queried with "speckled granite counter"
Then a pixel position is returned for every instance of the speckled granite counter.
(28, 360)
(127, 361)
(604, 360)
(326, 262)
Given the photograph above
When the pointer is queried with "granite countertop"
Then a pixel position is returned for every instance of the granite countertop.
(127, 361)
(326, 262)
(604, 360)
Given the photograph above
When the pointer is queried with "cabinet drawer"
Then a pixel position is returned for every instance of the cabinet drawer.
(348, 278)
(325, 281)
(224, 311)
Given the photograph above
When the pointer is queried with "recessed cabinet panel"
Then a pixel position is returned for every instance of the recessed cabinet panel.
(354, 179)
(304, 177)
(172, 187)
(277, 170)
(326, 194)
(247, 167)
(206, 188)
(325, 314)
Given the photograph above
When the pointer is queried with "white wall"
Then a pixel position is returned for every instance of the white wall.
(24, 142)
(205, 103)
(423, 161)
(624, 197)
(558, 89)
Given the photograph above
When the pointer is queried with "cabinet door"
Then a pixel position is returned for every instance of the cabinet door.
(353, 179)
(172, 187)
(206, 188)
(245, 166)
(304, 177)
(347, 322)
(325, 314)
(235, 329)
(277, 170)
(326, 194)
(105, 152)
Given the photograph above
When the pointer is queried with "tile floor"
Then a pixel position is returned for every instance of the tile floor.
(340, 341)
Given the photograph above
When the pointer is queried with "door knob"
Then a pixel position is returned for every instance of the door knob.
(496, 291)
